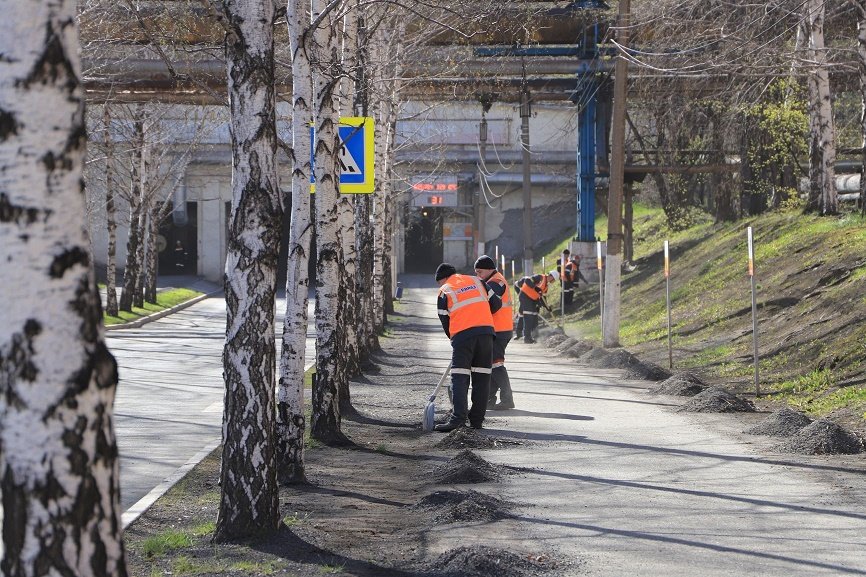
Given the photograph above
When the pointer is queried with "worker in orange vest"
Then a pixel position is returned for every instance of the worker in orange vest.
(466, 306)
(503, 324)
(531, 291)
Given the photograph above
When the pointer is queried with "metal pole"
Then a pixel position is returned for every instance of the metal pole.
(668, 299)
(600, 284)
(754, 309)
(480, 203)
(562, 264)
(525, 113)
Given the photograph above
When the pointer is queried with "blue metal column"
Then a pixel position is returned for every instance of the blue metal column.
(586, 163)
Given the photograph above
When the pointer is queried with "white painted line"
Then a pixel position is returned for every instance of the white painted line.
(216, 407)
(145, 502)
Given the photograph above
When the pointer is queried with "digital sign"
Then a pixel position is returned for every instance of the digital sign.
(435, 191)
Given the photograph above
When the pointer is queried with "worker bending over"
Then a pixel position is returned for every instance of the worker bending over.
(531, 291)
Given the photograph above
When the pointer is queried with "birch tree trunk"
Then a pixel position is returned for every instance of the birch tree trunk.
(58, 454)
(378, 55)
(143, 222)
(249, 500)
(291, 422)
(133, 239)
(860, 6)
(325, 421)
(824, 137)
(111, 219)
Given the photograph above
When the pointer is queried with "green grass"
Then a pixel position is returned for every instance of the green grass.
(294, 519)
(164, 300)
(164, 542)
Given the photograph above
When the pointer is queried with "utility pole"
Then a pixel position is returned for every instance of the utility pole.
(479, 199)
(525, 113)
(610, 328)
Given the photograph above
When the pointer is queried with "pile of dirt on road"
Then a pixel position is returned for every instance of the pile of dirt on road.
(683, 384)
(578, 349)
(622, 359)
(547, 332)
(782, 423)
(555, 339)
(464, 506)
(717, 400)
(466, 438)
(465, 468)
(822, 437)
(481, 561)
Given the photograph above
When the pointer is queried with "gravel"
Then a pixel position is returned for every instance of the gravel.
(482, 561)
(683, 384)
(782, 423)
(466, 467)
(717, 400)
(822, 437)
(464, 506)
(578, 349)
(468, 438)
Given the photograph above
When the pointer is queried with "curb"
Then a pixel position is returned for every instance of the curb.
(164, 313)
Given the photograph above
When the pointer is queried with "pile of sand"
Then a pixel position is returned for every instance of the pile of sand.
(782, 423)
(822, 437)
(717, 400)
(464, 506)
(466, 467)
(682, 384)
(482, 561)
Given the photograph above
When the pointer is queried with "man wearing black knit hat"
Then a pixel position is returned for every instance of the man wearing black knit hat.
(503, 324)
(466, 307)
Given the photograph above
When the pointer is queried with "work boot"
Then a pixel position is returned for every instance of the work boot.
(478, 426)
(504, 406)
(529, 340)
(491, 403)
(448, 427)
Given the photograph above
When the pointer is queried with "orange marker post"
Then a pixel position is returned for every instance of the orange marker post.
(668, 299)
(754, 308)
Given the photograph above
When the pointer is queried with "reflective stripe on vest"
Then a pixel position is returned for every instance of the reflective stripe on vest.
(502, 319)
(468, 306)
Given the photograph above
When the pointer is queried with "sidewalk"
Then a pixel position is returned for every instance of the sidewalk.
(166, 282)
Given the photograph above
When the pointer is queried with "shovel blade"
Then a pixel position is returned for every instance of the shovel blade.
(427, 422)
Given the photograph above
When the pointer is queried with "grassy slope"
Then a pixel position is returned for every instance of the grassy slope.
(164, 300)
(811, 313)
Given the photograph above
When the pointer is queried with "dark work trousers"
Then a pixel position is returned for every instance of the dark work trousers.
(471, 357)
(499, 378)
(568, 292)
(518, 328)
(529, 308)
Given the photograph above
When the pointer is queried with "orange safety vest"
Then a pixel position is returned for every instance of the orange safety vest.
(569, 271)
(542, 286)
(532, 293)
(502, 319)
(468, 306)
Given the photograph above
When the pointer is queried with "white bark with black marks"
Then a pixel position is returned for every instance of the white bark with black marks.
(58, 453)
(860, 6)
(291, 422)
(325, 420)
(822, 109)
(249, 495)
(110, 219)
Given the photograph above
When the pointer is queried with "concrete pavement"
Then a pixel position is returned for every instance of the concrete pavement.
(615, 478)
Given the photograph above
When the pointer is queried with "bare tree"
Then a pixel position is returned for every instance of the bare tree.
(58, 454)
(291, 421)
(249, 502)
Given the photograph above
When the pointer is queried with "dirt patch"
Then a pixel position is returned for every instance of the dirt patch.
(468, 438)
(648, 372)
(481, 561)
(555, 339)
(464, 506)
(465, 468)
(823, 437)
(593, 357)
(717, 400)
(782, 423)
(578, 349)
(682, 384)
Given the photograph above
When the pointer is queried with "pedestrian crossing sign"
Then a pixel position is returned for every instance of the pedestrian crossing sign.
(356, 155)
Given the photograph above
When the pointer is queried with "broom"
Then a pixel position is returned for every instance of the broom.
(428, 421)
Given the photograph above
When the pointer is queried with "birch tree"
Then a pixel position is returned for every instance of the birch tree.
(325, 421)
(291, 421)
(249, 496)
(110, 217)
(860, 6)
(58, 454)
(823, 137)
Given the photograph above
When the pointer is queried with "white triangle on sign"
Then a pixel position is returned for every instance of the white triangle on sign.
(347, 162)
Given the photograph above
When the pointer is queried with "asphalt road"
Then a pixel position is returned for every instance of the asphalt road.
(618, 480)
(170, 395)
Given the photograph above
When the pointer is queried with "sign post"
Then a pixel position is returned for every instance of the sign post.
(357, 150)
(668, 300)
(754, 308)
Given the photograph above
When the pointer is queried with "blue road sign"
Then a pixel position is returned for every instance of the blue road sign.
(356, 155)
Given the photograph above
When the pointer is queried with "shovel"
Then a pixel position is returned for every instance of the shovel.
(427, 421)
